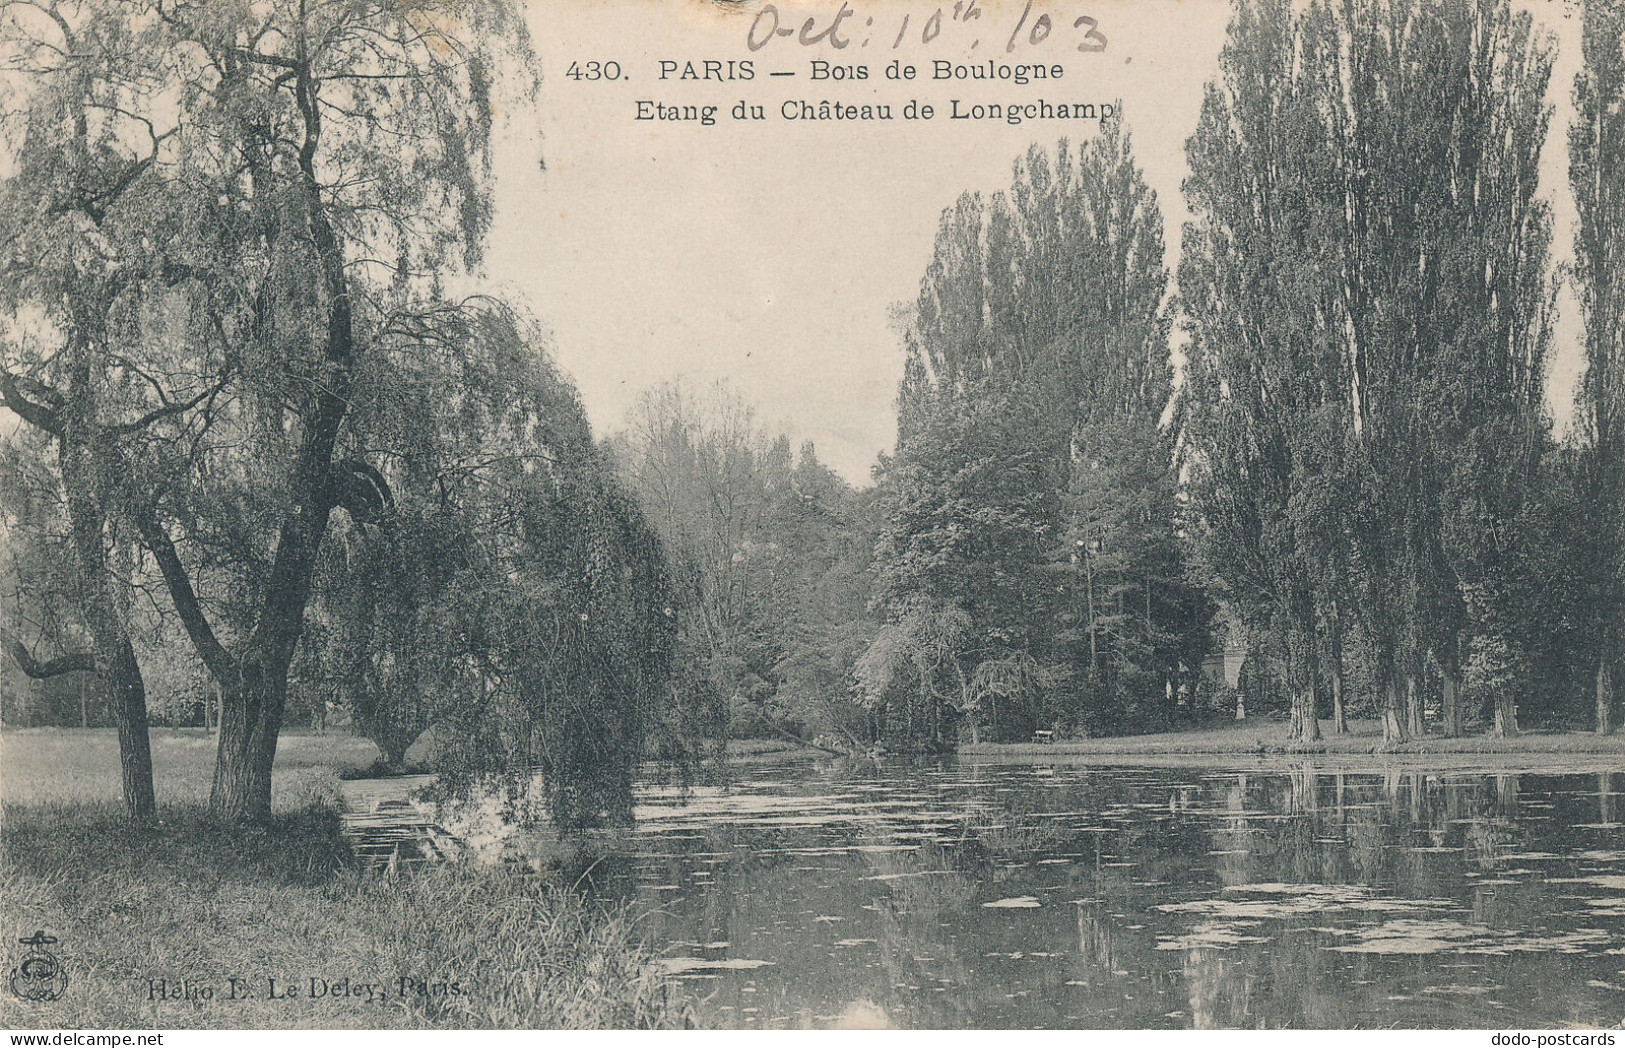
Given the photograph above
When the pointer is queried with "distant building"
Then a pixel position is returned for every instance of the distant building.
(1223, 667)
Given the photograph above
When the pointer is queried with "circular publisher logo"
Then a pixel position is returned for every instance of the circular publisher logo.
(38, 975)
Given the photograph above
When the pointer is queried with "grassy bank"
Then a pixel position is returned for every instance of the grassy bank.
(154, 923)
(1265, 743)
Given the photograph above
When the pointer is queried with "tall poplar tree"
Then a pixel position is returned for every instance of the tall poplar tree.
(1264, 399)
(1368, 285)
(1597, 176)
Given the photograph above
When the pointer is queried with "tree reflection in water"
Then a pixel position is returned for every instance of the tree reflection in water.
(985, 895)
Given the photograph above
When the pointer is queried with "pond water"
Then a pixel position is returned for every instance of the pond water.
(961, 894)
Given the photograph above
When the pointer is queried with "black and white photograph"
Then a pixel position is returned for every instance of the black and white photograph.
(812, 515)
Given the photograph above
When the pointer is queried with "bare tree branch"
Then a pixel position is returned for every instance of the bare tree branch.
(35, 414)
(214, 654)
(73, 662)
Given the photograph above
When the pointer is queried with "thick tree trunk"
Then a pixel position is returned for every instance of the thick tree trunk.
(254, 679)
(1506, 794)
(115, 656)
(252, 715)
(1340, 723)
(256, 676)
(1605, 696)
(1303, 667)
(393, 747)
(1305, 719)
(1305, 795)
(250, 720)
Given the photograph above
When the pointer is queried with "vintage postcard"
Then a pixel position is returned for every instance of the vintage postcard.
(812, 514)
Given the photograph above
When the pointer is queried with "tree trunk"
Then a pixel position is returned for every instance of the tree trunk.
(1393, 726)
(1605, 696)
(1452, 702)
(1303, 686)
(1413, 708)
(134, 745)
(1506, 716)
(1340, 722)
(250, 719)
(115, 656)
(256, 676)
(394, 748)
(1305, 720)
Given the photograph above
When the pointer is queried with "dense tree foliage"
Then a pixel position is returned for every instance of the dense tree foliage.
(511, 595)
(1028, 568)
(230, 227)
(1367, 285)
(768, 549)
(1597, 177)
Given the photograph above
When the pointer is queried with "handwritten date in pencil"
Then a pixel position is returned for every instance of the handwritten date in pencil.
(965, 24)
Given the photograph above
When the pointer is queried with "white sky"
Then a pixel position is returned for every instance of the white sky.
(768, 254)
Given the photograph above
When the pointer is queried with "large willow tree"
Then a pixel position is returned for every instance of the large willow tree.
(506, 593)
(79, 208)
(235, 218)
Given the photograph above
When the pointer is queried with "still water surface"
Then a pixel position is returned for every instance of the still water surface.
(810, 893)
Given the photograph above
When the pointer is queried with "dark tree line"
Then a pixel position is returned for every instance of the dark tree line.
(1369, 296)
(1359, 466)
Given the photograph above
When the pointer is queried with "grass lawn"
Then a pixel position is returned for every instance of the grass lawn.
(73, 766)
(1263, 742)
(154, 923)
